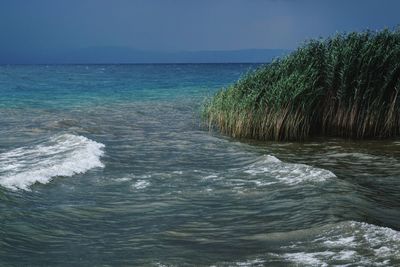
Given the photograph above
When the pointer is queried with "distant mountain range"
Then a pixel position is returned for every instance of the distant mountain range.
(123, 55)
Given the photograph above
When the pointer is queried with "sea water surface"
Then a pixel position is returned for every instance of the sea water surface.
(110, 165)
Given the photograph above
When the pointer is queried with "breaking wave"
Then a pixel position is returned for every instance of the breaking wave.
(357, 243)
(61, 155)
(288, 173)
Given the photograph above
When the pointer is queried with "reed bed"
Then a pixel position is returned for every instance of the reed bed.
(343, 86)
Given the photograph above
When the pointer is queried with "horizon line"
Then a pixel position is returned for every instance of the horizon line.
(135, 63)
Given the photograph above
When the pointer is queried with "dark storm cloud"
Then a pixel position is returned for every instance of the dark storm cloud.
(55, 25)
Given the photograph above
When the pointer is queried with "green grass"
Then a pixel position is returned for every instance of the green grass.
(343, 86)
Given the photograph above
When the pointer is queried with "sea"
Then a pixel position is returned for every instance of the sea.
(111, 165)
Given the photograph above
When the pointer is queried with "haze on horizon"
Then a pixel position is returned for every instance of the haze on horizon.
(166, 30)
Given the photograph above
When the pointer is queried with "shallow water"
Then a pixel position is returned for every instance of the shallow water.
(109, 165)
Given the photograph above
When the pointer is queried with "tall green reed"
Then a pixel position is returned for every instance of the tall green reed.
(346, 86)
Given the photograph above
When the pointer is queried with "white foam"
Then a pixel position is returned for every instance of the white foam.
(347, 241)
(345, 255)
(246, 263)
(211, 176)
(141, 184)
(62, 155)
(288, 173)
(354, 155)
(308, 259)
(357, 243)
(123, 179)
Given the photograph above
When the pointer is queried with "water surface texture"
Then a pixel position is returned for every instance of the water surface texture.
(109, 165)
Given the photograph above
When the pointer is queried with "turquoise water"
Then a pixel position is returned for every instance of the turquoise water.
(109, 165)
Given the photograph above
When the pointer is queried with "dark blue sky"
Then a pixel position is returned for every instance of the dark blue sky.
(52, 26)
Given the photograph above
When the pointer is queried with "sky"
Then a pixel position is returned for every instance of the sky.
(56, 27)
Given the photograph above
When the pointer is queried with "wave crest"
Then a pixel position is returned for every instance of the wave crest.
(356, 243)
(62, 155)
(288, 173)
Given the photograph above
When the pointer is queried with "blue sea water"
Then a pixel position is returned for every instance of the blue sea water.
(110, 165)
